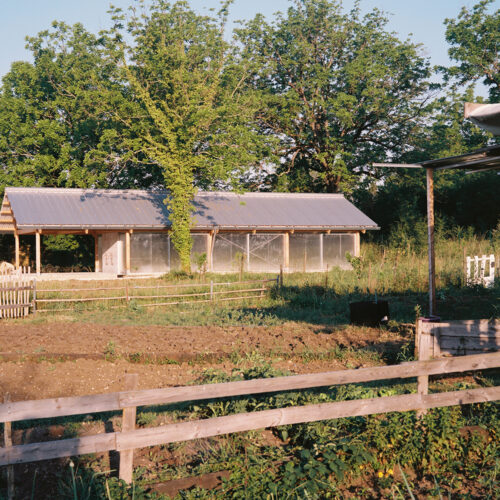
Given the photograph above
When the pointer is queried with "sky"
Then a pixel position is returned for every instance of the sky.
(422, 19)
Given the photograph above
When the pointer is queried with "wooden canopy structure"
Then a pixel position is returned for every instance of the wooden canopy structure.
(480, 160)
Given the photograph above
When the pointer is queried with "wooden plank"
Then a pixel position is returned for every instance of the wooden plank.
(84, 299)
(128, 424)
(294, 415)
(185, 431)
(15, 306)
(469, 343)
(223, 299)
(461, 328)
(59, 407)
(296, 382)
(56, 449)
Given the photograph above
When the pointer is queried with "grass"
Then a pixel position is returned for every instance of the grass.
(397, 275)
(450, 453)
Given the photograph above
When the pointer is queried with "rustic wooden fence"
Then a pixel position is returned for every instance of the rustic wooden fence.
(436, 339)
(480, 270)
(121, 296)
(17, 293)
(130, 438)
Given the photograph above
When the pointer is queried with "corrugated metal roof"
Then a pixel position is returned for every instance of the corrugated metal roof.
(54, 208)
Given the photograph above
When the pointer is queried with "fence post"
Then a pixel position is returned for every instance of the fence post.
(7, 438)
(281, 276)
(423, 350)
(128, 424)
(211, 290)
(127, 298)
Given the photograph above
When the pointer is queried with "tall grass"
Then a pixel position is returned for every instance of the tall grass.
(397, 273)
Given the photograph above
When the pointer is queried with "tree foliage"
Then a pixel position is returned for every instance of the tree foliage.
(474, 38)
(305, 101)
(191, 85)
(337, 89)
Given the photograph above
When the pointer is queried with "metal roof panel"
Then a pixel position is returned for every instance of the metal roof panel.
(98, 208)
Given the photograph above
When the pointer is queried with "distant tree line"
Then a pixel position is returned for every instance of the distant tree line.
(303, 102)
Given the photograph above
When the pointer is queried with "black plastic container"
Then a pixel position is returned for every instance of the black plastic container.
(369, 313)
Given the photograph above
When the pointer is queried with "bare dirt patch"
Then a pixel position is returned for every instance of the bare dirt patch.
(61, 338)
(68, 359)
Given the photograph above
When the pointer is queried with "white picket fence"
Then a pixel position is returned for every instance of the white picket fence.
(17, 292)
(481, 270)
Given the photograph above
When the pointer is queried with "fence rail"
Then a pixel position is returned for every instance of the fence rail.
(131, 438)
(136, 292)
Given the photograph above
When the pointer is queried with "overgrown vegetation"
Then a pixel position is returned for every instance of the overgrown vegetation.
(397, 273)
(449, 453)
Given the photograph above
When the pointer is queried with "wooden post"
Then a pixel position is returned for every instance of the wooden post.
(430, 242)
(16, 244)
(209, 250)
(37, 250)
(211, 290)
(7, 438)
(127, 252)
(281, 276)
(357, 244)
(128, 424)
(286, 251)
(97, 263)
(423, 346)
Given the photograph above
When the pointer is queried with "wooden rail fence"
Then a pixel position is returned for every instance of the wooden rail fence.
(436, 339)
(220, 292)
(130, 438)
(17, 293)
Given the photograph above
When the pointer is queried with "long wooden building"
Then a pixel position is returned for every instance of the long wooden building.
(264, 231)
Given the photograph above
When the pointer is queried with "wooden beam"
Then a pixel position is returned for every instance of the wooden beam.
(430, 242)
(16, 245)
(60, 407)
(286, 251)
(97, 262)
(128, 424)
(127, 252)
(185, 431)
(38, 252)
(357, 244)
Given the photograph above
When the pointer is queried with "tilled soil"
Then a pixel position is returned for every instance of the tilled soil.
(69, 359)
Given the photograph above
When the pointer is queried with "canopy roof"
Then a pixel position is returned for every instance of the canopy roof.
(475, 161)
(56, 209)
(486, 116)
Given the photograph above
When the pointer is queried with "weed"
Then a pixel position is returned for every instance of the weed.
(110, 351)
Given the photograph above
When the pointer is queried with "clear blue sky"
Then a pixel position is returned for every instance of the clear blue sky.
(423, 18)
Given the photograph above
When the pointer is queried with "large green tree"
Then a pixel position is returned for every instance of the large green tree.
(58, 124)
(198, 114)
(337, 89)
(474, 39)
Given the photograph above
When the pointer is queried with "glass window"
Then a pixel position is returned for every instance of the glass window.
(304, 252)
(265, 252)
(335, 247)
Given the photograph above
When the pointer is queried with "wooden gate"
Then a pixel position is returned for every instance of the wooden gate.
(17, 293)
